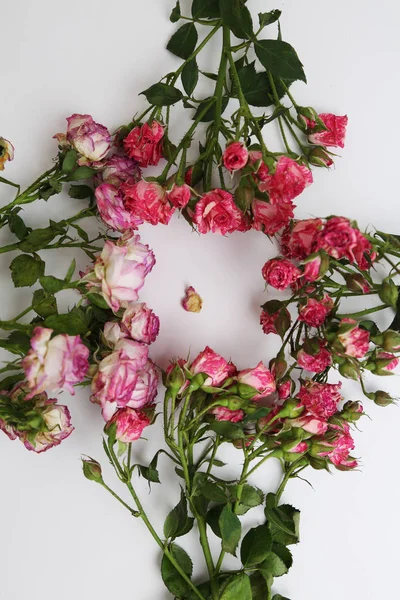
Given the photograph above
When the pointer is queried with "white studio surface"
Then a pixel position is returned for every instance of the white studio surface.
(63, 536)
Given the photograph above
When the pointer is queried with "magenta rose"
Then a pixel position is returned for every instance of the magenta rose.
(289, 180)
(214, 365)
(285, 388)
(90, 139)
(335, 132)
(337, 449)
(270, 218)
(354, 340)
(55, 363)
(110, 204)
(235, 156)
(225, 414)
(6, 152)
(340, 239)
(260, 378)
(217, 212)
(320, 399)
(314, 312)
(271, 322)
(129, 424)
(148, 201)
(141, 323)
(280, 273)
(119, 169)
(316, 363)
(180, 195)
(298, 238)
(144, 144)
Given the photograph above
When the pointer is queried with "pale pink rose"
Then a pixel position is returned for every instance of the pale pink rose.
(289, 180)
(385, 362)
(316, 363)
(320, 399)
(112, 333)
(6, 152)
(214, 365)
(280, 273)
(148, 201)
(129, 424)
(335, 133)
(217, 212)
(260, 378)
(90, 139)
(180, 195)
(270, 218)
(144, 144)
(354, 340)
(55, 363)
(298, 238)
(235, 156)
(57, 420)
(225, 414)
(146, 386)
(311, 424)
(119, 169)
(137, 252)
(141, 323)
(192, 302)
(111, 206)
(314, 312)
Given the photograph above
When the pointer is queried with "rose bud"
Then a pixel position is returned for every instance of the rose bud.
(389, 293)
(334, 133)
(295, 447)
(215, 368)
(350, 370)
(244, 196)
(192, 302)
(140, 323)
(260, 379)
(225, 414)
(352, 411)
(383, 364)
(310, 424)
(285, 388)
(315, 266)
(179, 195)
(175, 379)
(280, 273)
(319, 157)
(129, 424)
(357, 283)
(354, 340)
(383, 399)
(235, 156)
(278, 366)
(144, 144)
(391, 340)
(92, 470)
(6, 152)
(291, 409)
(90, 139)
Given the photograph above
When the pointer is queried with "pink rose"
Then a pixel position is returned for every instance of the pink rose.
(129, 424)
(188, 176)
(112, 333)
(335, 131)
(289, 180)
(311, 424)
(338, 448)
(110, 204)
(141, 323)
(316, 363)
(354, 340)
(262, 173)
(260, 378)
(217, 212)
(146, 386)
(6, 152)
(57, 421)
(214, 365)
(119, 169)
(315, 266)
(225, 414)
(285, 388)
(280, 273)
(180, 195)
(385, 363)
(270, 218)
(144, 144)
(314, 312)
(90, 139)
(54, 363)
(192, 302)
(320, 399)
(299, 448)
(340, 239)
(148, 201)
(235, 156)
(272, 322)
(298, 239)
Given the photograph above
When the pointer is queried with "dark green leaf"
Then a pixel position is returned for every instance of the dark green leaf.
(21, 339)
(81, 173)
(190, 76)
(268, 18)
(80, 192)
(213, 492)
(279, 597)
(44, 304)
(184, 41)
(255, 86)
(277, 562)
(52, 284)
(69, 161)
(176, 521)
(237, 17)
(13, 348)
(97, 300)
(38, 239)
(227, 430)
(18, 227)
(197, 173)
(280, 58)
(230, 528)
(212, 519)
(172, 579)
(205, 9)
(25, 270)
(210, 113)
(71, 271)
(82, 233)
(72, 323)
(250, 498)
(161, 94)
(370, 326)
(259, 587)
(263, 411)
(256, 546)
(176, 13)
(168, 149)
(283, 521)
(8, 382)
(238, 588)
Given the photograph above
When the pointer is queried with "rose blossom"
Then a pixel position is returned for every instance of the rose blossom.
(129, 424)
(335, 132)
(90, 139)
(354, 339)
(270, 218)
(320, 399)
(217, 212)
(141, 323)
(214, 365)
(280, 273)
(235, 156)
(192, 302)
(112, 333)
(225, 414)
(110, 203)
(270, 322)
(316, 363)
(148, 201)
(314, 312)
(298, 239)
(260, 378)
(338, 449)
(6, 152)
(119, 169)
(180, 195)
(285, 388)
(57, 363)
(57, 419)
(144, 144)
(315, 266)
(311, 424)
(340, 239)
(289, 180)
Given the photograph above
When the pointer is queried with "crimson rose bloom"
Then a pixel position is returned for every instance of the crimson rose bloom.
(235, 156)
(289, 180)
(217, 212)
(280, 273)
(335, 133)
(144, 144)
(316, 363)
(315, 311)
(147, 200)
(270, 218)
(340, 239)
(320, 399)
(215, 366)
(299, 237)
(129, 424)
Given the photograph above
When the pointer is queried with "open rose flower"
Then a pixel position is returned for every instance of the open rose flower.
(354, 340)
(314, 312)
(217, 212)
(340, 239)
(55, 363)
(336, 446)
(110, 203)
(6, 152)
(141, 323)
(335, 132)
(215, 366)
(289, 181)
(192, 302)
(129, 424)
(270, 218)
(298, 238)
(57, 421)
(225, 414)
(119, 169)
(320, 399)
(280, 273)
(144, 144)
(179, 195)
(235, 156)
(148, 201)
(317, 362)
(90, 139)
(260, 378)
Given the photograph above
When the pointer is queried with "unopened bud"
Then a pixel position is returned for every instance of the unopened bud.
(350, 370)
(174, 378)
(389, 293)
(352, 411)
(391, 340)
(278, 367)
(357, 283)
(383, 398)
(231, 402)
(319, 157)
(92, 470)
(244, 196)
(291, 409)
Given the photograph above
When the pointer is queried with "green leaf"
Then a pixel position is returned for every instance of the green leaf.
(81, 173)
(283, 521)
(52, 284)
(73, 323)
(161, 94)
(44, 304)
(213, 492)
(184, 41)
(259, 587)
(256, 546)
(190, 76)
(176, 521)
(172, 579)
(21, 339)
(71, 271)
(69, 161)
(26, 270)
(268, 18)
(97, 300)
(80, 192)
(395, 325)
(8, 382)
(277, 562)
(279, 597)
(18, 227)
(210, 113)
(212, 519)
(231, 529)
(227, 430)
(263, 411)
(280, 58)
(250, 498)
(176, 13)
(238, 588)
(237, 17)
(255, 86)
(38, 239)
(13, 348)
(205, 9)
(82, 233)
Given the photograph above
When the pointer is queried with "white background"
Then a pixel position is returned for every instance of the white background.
(63, 536)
